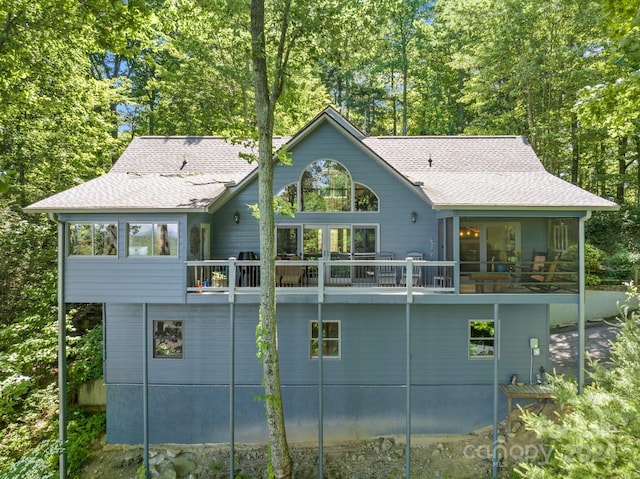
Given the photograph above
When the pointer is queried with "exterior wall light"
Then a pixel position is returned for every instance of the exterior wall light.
(236, 217)
(414, 217)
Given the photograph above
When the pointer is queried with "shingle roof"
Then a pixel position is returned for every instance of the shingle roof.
(470, 172)
(161, 173)
(465, 172)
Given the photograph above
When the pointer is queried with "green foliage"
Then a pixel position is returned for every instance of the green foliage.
(39, 463)
(597, 432)
(592, 262)
(87, 362)
(12, 390)
(622, 266)
(625, 223)
(83, 430)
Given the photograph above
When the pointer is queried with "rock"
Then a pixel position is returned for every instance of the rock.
(183, 465)
(157, 458)
(387, 444)
(173, 453)
(168, 472)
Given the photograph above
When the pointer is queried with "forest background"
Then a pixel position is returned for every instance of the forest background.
(79, 79)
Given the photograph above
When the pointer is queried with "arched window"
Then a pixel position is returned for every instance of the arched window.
(288, 197)
(365, 199)
(326, 186)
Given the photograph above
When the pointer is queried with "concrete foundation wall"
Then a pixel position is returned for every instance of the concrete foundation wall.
(598, 305)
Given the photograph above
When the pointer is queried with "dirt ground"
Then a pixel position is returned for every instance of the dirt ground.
(436, 456)
(457, 456)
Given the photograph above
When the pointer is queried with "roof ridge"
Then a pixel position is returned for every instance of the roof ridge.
(456, 137)
(205, 137)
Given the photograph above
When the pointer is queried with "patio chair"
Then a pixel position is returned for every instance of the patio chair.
(542, 280)
(416, 270)
(386, 274)
(289, 275)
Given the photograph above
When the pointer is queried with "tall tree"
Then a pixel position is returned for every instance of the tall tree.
(266, 97)
(281, 39)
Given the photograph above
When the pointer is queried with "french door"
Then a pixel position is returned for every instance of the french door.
(341, 242)
(328, 242)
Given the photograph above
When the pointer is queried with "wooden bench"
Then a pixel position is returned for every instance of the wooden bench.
(525, 391)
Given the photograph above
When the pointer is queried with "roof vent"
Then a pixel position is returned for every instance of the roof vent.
(430, 161)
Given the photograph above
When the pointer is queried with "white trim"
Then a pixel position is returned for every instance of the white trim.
(324, 339)
(469, 339)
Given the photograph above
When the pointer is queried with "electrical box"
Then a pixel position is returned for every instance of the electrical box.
(533, 343)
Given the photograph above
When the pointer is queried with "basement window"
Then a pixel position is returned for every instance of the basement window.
(481, 339)
(167, 339)
(330, 339)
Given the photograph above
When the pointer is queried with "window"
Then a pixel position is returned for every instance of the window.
(365, 199)
(488, 246)
(287, 241)
(287, 200)
(481, 339)
(167, 339)
(153, 239)
(330, 339)
(325, 186)
(93, 239)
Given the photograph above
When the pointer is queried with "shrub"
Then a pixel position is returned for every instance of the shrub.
(39, 463)
(597, 435)
(87, 361)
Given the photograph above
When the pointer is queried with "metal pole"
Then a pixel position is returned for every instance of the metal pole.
(496, 358)
(145, 388)
(581, 293)
(232, 387)
(320, 396)
(408, 418)
(62, 354)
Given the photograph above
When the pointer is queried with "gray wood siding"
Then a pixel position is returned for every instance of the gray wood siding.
(206, 345)
(397, 202)
(123, 279)
(373, 344)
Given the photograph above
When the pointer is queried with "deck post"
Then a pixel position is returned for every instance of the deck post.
(145, 388)
(581, 293)
(320, 396)
(496, 359)
(232, 384)
(62, 353)
(408, 406)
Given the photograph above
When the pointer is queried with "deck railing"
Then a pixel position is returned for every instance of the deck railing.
(374, 275)
(241, 275)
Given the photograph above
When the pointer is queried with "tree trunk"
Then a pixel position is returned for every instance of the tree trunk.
(266, 334)
(575, 151)
(623, 147)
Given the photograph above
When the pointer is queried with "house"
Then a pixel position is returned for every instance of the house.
(415, 276)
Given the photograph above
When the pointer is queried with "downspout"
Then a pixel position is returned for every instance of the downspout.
(581, 301)
(62, 350)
